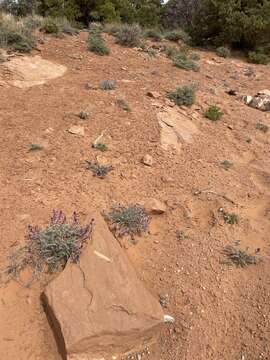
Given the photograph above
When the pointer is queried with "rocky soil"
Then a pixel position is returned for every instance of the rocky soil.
(166, 157)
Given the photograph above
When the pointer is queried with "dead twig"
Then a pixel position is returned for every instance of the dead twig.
(206, 191)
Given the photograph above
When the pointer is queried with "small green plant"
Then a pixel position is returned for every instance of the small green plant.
(97, 45)
(226, 164)
(180, 235)
(223, 51)
(84, 115)
(182, 61)
(129, 35)
(184, 95)
(107, 85)
(213, 113)
(176, 35)
(262, 127)
(257, 57)
(48, 249)
(241, 258)
(100, 146)
(123, 105)
(35, 147)
(229, 218)
(99, 170)
(128, 220)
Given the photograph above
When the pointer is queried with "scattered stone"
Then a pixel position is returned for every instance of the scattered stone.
(148, 160)
(31, 71)
(155, 207)
(76, 130)
(169, 319)
(175, 129)
(154, 94)
(260, 101)
(94, 304)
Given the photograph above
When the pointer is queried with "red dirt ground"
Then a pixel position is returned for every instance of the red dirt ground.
(221, 312)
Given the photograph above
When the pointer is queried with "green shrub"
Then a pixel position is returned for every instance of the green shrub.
(184, 95)
(176, 35)
(107, 85)
(100, 146)
(241, 258)
(256, 57)
(262, 127)
(50, 26)
(245, 24)
(213, 113)
(97, 45)
(95, 28)
(153, 34)
(99, 170)
(223, 51)
(128, 220)
(182, 61)
(129, 35)
(194, 57)
(15, 35)
(171, 51)
(123, 105)
(48, 249)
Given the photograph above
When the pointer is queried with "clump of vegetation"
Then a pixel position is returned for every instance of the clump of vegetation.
(241, 258)
(100, 146)
(195, 57)
(153, 34)
(171, 51)
(257, 57)
(123, 105)
(84, 115)
(50, 26)
(184, 95)
(180, 235)
(57, 25)
(112, 29)
(213, 113)
(229, 218)
(243, 24)
(262, 127)
(99, 170)
(35, 147)
(15, 35)
(129, 35)
(97, 44)
(107, 85)
(182, 61)
(223, 51)
(226, 164)
(95, 28)
(128, 220)
(176, 35)
(48, 249)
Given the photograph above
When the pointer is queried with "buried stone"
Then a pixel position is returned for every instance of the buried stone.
(98, 307)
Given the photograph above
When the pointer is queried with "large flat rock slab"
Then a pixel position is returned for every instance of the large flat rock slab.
(99, 308)
(175, 129)
(29, 71)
